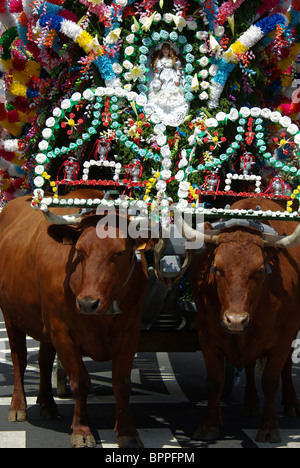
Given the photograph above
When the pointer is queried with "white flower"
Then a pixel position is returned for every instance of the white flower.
(204, 62)
(40, 158)
(47, 133)
(245, 112)
(166, 174)
(275, 116)
(297, 139)
(221, 116)
(113, 36)
(266, 113)
(136, 73)
(39, 181)
(255, 111)
(180, 22)
(66, 104)
(166, 163)
(141, 100)
(192, 25)
(182, 204)
(202, 35)
(130, 38)
(117, 68)
(128, 76)
(39, 170)
(76, 97)
(134, 28)
(122, 3)
(292, 129)
(203, 96)
(131, 96)
(211, 122)
(285, 121)
(219, 31)
(234, 115)
(184, 185)
(213, 70)
(99, 91)
(157, 17)
(128, 87)
(165, 151)
(203, 49)
(127, 64)
(161, 139)
(155, 118)
(183, 193)
(179, 176)
(50, 122)
(161, 185)
(147, 22)
(43, 145)
(168, 18)
(159, 128)
(56, 112)
(204, 84)
(129, 50)
(204, 74)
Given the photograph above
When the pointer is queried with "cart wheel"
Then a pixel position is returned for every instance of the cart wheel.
(60, 378)
(229, 379)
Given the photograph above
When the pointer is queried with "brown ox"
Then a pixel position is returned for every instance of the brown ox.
(247, 293)
(65, 287)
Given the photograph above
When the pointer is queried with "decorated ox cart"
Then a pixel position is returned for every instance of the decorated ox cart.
(141, 124)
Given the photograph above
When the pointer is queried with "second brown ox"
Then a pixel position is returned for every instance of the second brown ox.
(78, 295)
(247, 292)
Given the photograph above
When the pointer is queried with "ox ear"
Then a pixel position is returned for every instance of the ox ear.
(65, 235)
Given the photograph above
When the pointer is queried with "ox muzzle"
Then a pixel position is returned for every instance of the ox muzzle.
(235, 323)
(88, 306)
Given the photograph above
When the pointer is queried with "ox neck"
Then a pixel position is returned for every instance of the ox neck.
(132, 266)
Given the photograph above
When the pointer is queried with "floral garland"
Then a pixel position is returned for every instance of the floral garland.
(170, 159)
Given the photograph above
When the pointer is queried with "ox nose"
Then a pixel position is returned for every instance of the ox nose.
(88, 306)
(236, 323)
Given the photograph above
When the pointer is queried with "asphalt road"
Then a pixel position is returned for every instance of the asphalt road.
(168, 403)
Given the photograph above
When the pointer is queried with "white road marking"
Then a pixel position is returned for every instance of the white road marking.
(152, 438)
(290, 439)
(13, 439)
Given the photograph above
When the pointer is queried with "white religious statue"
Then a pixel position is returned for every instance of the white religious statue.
(166, 87)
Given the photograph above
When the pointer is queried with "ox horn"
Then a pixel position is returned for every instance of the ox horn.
(283, 242)
(65, 220)
(192, 235)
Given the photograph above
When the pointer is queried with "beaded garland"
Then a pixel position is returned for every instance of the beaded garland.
(162, 162)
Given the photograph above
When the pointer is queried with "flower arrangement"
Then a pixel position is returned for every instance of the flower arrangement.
(115, 75)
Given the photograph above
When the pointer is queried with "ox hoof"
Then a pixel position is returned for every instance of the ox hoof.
(292, 411)
(130, 442)
(49, 412)
(270, 435)
(17, 416)
(83, 441)
(207, 433)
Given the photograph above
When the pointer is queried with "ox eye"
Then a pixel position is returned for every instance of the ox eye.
(80, 254)
(119, 254)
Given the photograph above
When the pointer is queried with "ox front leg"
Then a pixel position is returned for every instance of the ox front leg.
(17, 342)
(48, 408)
(71, 359)
(210, 429)
(269, 429)
(128, 436)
